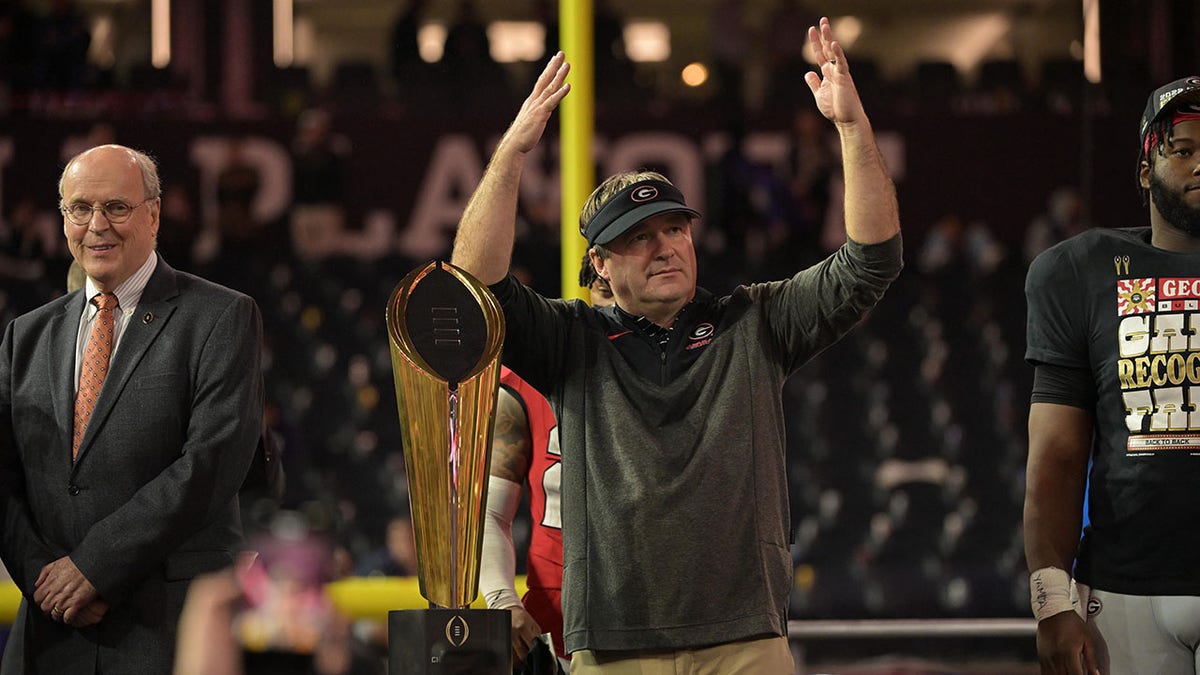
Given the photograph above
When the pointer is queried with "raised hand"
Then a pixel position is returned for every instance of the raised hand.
(206, 643)
(551, 87)
(833, 89)
(483, 245)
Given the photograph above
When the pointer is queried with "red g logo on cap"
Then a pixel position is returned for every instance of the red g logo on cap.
(644, 193)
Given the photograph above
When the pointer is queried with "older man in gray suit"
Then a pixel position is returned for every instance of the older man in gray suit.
(129, 414)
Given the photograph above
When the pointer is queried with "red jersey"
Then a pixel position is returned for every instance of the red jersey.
(544, 566)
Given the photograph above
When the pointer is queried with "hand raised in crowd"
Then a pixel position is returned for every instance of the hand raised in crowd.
(551, 87)
(833, 89)
(206, 641)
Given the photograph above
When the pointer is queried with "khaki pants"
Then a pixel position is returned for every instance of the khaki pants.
(767, 656)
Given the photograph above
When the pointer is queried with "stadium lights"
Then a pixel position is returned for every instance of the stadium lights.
(1091, 40)
(431, 42)
(647, 41)
(284, 39)
(160, 33)
(516, 41)
(694, 74)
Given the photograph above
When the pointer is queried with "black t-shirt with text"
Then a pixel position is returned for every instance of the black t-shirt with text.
(1110, 302)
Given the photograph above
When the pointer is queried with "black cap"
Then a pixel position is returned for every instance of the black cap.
(1167, 98)
(631, 206)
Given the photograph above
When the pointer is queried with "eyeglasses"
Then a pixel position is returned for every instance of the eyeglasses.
(115, 211)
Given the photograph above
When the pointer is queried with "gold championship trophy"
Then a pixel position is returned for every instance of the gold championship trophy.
(446, 330)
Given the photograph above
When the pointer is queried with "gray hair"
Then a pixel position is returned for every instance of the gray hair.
(151, 185)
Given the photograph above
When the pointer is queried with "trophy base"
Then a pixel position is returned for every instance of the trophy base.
(449, 642)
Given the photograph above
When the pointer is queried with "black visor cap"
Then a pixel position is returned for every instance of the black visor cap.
(631, 206)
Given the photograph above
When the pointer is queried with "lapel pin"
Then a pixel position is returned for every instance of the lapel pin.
(147, 317)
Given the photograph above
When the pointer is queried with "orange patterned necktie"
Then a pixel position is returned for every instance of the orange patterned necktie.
(95, 364)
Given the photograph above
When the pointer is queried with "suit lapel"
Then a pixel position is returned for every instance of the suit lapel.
(64, 333)
(150, 316)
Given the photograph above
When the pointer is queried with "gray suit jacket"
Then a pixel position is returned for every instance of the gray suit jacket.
(151, 501)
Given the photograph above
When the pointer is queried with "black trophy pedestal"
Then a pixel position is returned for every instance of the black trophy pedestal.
(449, 642)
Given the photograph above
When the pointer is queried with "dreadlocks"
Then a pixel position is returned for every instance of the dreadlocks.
(1159, 134)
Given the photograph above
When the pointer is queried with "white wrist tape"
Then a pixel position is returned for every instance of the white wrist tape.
(1051, 592)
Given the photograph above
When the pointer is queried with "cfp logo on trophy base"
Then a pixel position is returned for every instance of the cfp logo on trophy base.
(457, 631)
